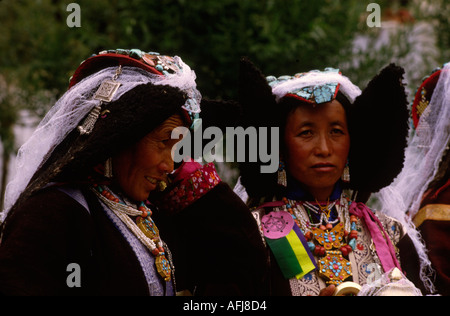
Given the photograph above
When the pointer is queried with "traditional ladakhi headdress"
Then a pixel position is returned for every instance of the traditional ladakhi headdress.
(114, 99)
(377, 119)
(427, 145)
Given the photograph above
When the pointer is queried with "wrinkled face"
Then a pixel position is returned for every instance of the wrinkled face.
(139, 168)
(317, 143)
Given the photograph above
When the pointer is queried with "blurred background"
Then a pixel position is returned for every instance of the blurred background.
(39, 51)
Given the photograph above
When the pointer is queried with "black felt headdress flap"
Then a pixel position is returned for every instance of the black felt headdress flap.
(377, 124)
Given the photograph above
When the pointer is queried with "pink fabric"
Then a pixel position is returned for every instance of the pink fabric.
(191, 182)
(277, 224)
(384, 247)
(185, 170)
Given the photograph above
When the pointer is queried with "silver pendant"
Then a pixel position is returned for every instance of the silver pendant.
(107, 90)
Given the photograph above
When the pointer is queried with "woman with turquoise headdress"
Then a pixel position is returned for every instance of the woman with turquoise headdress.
(337, 146)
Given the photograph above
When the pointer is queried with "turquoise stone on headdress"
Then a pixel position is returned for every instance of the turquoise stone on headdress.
(314, 94)
(162, 64)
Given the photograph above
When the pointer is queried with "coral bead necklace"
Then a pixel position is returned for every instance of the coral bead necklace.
(144, 228)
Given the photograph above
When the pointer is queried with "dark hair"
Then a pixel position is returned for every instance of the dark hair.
(379, 129)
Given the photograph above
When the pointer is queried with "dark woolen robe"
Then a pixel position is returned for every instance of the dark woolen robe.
(214, 238)
(215, 243)
(435, 233)
(50, 231)
(217, 246)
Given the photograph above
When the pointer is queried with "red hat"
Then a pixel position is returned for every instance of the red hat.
(423, 96)
(151, 62)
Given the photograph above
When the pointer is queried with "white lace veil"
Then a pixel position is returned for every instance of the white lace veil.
(425, 150)
(316, 78)
(75, 104)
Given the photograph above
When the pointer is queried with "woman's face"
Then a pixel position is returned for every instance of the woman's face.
(139, 168)
(317, 143)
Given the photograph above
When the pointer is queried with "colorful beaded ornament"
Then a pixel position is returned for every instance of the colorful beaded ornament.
(325, 240)
(144, 228)
(313, 94)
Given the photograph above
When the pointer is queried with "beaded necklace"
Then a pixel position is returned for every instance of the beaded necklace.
(327, 238)
(323, 213)
(144, 228)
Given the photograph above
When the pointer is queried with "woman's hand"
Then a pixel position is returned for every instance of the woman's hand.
(328, 291)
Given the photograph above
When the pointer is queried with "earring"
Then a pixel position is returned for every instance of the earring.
(108, 168)
(282, 179)
(346, 173)
(162, 185)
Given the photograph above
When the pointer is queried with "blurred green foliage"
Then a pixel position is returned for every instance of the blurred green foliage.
(39, 51)
(281, 36)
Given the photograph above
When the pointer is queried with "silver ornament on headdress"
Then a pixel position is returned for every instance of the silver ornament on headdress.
(79, 102)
